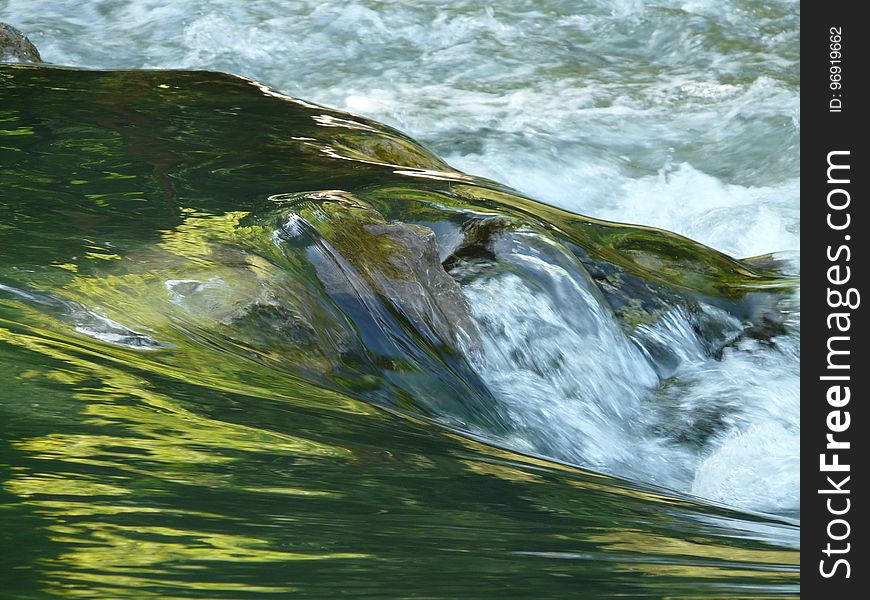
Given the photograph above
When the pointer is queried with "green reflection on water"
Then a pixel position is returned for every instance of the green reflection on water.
(223, 461)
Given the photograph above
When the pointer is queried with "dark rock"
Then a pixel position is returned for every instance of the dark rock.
(15, 47)
(477, 238)
(634, 300)
(398, 262)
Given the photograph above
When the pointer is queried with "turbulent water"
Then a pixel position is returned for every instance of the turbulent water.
(198, 339)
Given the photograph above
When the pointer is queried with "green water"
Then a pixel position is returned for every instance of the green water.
(146, 451)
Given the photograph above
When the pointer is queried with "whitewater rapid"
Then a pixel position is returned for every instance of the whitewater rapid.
(678, 114)
(662, 404)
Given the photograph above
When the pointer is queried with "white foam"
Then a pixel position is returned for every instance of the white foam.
(757, 468)
(585, 395)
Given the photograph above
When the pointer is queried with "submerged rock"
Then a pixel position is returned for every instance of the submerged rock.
(359, 253)
(340, 252)
(634, 300)
(15, 47)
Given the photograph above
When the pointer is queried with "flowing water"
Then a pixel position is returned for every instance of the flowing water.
(231, 368)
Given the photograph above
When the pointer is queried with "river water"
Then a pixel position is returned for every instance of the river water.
(679, 115)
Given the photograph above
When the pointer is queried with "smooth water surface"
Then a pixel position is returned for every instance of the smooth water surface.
(170, 426)
(168, 432)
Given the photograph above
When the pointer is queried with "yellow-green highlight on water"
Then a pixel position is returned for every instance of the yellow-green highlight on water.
(191, 407)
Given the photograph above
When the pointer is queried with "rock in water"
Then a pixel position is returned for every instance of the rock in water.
(399, 262)
(15, 47)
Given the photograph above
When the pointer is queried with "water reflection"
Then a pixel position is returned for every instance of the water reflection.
(223, 461)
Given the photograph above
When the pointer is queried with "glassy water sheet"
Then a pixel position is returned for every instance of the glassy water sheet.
(208, 392)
